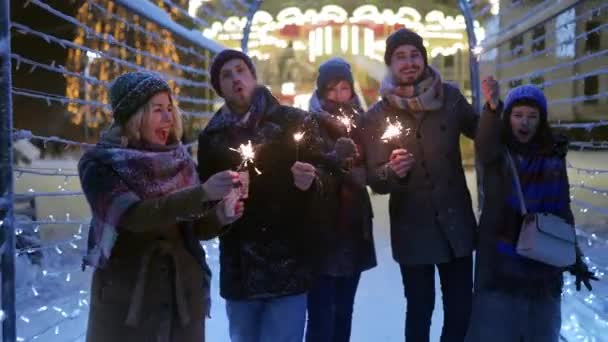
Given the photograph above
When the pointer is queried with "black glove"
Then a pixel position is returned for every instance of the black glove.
(582, 274)
(346, 149)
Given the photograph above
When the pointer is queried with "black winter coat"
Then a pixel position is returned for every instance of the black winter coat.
(271, 251)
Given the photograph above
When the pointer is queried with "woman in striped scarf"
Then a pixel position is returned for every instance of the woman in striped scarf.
(519, 299)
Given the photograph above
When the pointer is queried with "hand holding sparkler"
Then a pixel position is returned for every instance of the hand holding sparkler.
(303, 175)
(220, 184)
(346, 151)
(401, 162)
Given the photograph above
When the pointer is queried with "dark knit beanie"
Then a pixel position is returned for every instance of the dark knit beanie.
(132, 90)
(334, 69)
(221, 59)
(400, 37)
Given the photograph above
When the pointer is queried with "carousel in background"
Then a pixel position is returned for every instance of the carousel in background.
(289, 45)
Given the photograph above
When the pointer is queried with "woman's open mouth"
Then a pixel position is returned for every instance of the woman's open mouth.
(162, 134)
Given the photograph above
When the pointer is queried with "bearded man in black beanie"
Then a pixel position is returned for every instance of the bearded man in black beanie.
(267, 259)
(431, 215)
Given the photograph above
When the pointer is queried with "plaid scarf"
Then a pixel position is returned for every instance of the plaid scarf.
(115, 177)
(424, 95)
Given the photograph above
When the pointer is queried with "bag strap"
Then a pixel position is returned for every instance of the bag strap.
(520, 195)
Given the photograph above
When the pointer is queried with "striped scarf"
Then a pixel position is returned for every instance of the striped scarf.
(545, 189)
(424, 95)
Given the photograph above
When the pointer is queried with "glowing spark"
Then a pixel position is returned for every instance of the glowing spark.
(247, 155)
(298, 136)
(393, 130)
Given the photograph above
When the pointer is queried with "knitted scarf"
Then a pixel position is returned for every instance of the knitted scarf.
(546, 190)
(115, 177)
(544, 186)
(326, 113)
(424, 95)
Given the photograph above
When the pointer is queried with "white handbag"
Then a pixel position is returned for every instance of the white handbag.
(544, 237)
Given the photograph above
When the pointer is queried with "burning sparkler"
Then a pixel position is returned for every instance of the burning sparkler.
(247, 156)
(347, 121)
(297, 137)
(393, 130)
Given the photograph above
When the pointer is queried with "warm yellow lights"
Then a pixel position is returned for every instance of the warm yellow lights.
(358, 34)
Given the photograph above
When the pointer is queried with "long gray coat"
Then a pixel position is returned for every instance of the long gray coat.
(431, 214)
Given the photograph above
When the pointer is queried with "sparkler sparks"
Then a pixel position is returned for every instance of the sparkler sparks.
(247, 155)
(393, 130)
(297, 137)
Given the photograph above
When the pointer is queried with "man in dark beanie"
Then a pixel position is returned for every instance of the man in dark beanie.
(431, 215)
(266, 260)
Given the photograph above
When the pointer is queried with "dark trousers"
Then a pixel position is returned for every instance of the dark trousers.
(330, 308)
(456, 279)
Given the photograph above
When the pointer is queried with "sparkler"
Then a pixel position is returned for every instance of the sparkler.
(247, 156)
(297, 137)
(347, 121)
(393, 130)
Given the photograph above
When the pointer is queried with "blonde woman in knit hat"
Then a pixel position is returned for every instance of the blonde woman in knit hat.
(151, 281)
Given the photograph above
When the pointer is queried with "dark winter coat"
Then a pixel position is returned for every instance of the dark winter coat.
(348, 233)
(496, 267)
(430, 210)
(272, 250)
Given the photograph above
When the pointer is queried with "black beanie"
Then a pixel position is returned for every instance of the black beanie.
(221, 59)
(132, 90)
(400, 37)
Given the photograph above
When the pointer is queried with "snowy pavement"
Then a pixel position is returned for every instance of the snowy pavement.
(53, 299)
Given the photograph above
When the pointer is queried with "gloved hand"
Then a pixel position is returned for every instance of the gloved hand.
(582, 274)
(345, 149)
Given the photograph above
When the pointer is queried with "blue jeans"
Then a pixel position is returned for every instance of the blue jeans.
(456, 279)
(503, 317)
(330, 308)
(279, 319)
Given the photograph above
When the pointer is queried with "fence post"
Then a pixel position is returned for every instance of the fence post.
(473, 63)
(7, 229)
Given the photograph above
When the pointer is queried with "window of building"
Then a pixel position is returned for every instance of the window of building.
(515, 83)
(448, 61)
(538, 38)
(592, 87)
(538, 81)
(565, 32)
(592, 43)
(517, 46)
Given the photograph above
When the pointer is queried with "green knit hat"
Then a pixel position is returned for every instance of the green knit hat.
(131, 91)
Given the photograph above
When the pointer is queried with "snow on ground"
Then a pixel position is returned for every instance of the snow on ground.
(53, 297)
